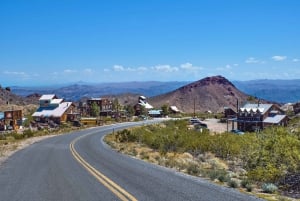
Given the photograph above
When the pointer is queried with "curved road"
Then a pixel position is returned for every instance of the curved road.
(80, 166)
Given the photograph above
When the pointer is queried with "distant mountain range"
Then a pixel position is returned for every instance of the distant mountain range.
(76, 92)
(282, 91)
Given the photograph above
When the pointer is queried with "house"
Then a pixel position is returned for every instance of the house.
(229, 113)
(105, 106)
(54, 109)
(255, 117)
(11, 120)
(142, 104)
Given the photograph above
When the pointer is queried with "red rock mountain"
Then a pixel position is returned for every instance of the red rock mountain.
(209, 94)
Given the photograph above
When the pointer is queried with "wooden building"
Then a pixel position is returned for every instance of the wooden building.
(54, 109)
(255, 117)
(12, 120)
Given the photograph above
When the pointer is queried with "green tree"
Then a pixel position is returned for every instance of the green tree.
(129, 109)
(165, 109)
(95, 110)
(116, 105)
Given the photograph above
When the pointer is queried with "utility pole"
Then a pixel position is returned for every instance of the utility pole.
(194, 108)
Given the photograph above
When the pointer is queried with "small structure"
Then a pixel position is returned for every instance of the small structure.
(255, 117)
(142, 103)
(11, 120)
(155, 113)
(296, 108)
(54, 109)
(173, 109)
(105, 106)
(229, 113)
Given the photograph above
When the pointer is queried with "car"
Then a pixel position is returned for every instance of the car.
(194, 121)
(236, 131)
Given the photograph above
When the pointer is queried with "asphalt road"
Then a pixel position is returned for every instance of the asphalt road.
(50, 170)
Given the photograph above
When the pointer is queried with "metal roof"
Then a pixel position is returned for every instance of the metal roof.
(274, 120)
(262, 108)
(174, 108)
(155, 112)
(47, 97)
(56, 101)
(52, 112)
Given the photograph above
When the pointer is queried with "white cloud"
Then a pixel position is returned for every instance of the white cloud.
(295, 60)
(228, 66)
(142, 68)
(122, 68)
(118, 68)
(279, 58)
(188, 66)
(165, 68)
(15, 73)
(252, 60)
(69, 71)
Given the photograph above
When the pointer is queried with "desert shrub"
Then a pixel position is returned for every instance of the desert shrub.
(245, 182)
(269, 173)
(17, 136)
(221, 175)
(249, 187)
(126, 136)
(269, 188)
(193, 169)
(28, 133)
(223, 178)
(233, 184)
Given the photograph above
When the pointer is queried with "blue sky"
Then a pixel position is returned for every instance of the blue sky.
(46, 42)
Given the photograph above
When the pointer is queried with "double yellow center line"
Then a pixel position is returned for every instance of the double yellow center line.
(112, 186)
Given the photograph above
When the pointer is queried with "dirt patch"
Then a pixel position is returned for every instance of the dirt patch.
(215, 126)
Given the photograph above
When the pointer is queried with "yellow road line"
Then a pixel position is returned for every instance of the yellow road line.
(112, 186)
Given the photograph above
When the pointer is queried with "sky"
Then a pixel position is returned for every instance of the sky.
(46, 42)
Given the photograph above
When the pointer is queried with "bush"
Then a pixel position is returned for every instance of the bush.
(218, 174)
(245, 182)
(249, 187)
(269, 188)
(28, 133)
(233, 184)
(193, 169)
(223, 178)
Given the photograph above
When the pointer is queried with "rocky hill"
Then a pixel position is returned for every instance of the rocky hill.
(208, 94)
(11, 101)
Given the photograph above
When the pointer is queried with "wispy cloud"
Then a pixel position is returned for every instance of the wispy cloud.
(252, 60)
(165, 68)
(121, 68)
(70, 71)
(20, 73)
(190, 67)
(295, 60)
(279, 58)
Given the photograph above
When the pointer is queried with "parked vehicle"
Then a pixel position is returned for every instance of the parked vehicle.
(236, 131)
(195, 121)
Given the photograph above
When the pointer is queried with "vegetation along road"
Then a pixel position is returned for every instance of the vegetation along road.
(80, 166)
